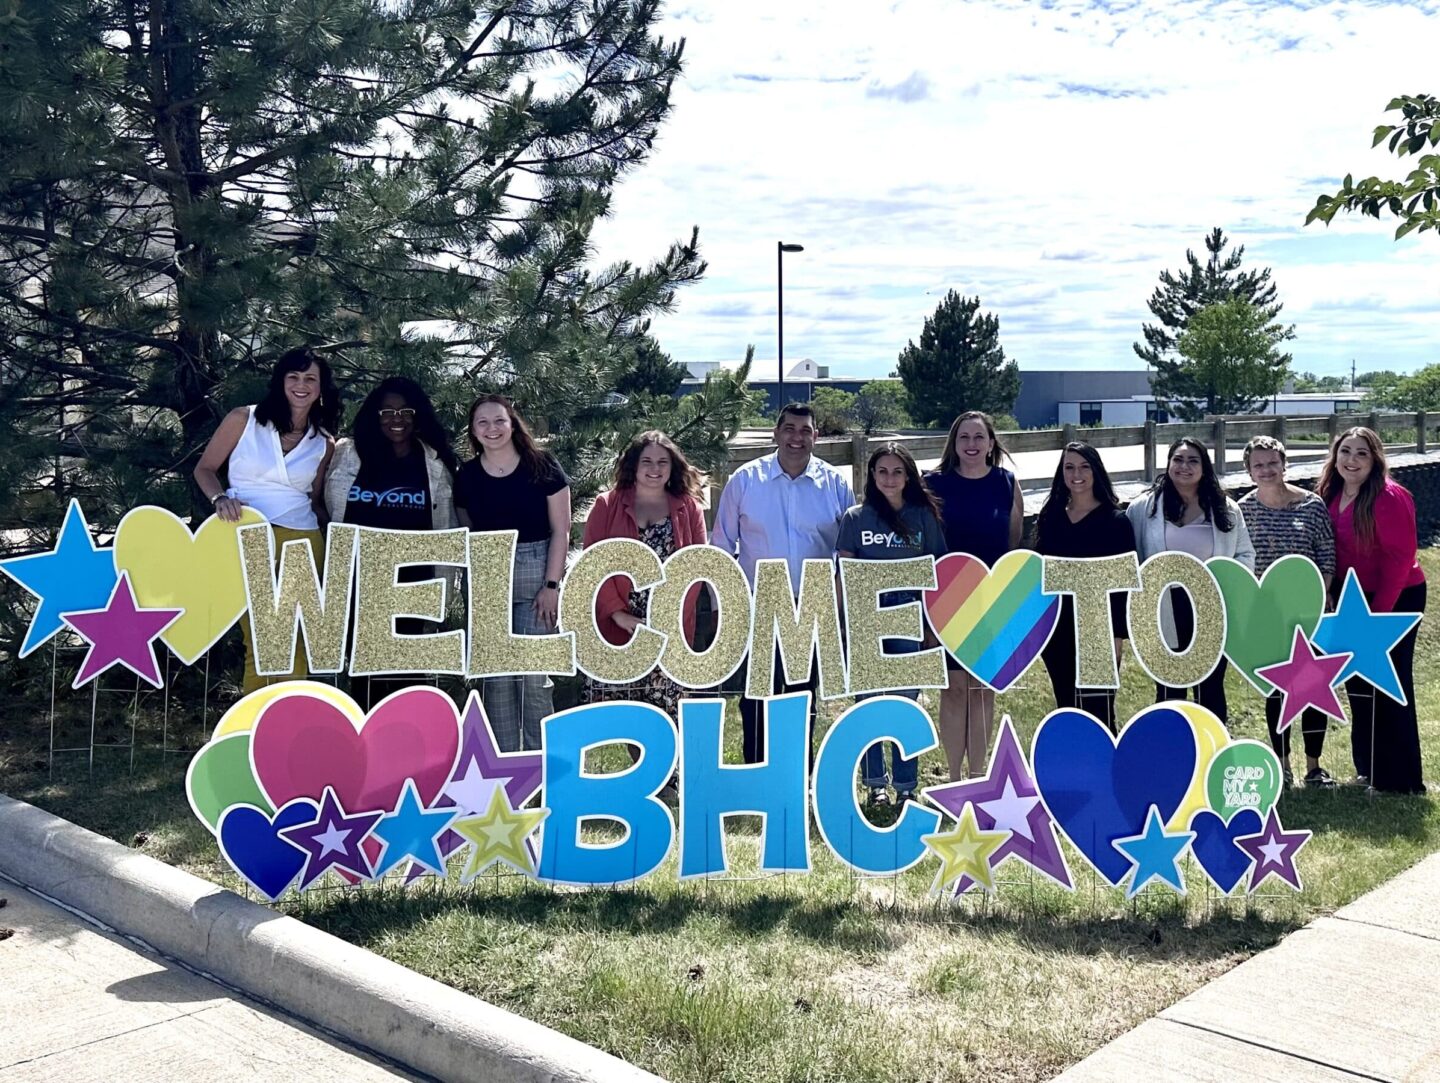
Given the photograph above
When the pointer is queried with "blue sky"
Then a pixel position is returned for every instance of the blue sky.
(1053, 157)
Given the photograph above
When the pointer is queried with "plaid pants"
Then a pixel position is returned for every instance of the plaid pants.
(517, 705)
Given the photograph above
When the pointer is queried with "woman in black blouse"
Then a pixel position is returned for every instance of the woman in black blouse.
(1082, 518)
(512, 484)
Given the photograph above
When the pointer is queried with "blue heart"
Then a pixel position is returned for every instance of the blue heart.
(1214, 846)
(251, 842)
(1098, 791)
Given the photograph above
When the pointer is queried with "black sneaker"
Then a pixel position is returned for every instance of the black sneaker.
(1319, 777)
(879, 797)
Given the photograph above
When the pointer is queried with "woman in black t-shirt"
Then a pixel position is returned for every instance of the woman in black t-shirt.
(1082, 518)
(397, 473)
(512, 484)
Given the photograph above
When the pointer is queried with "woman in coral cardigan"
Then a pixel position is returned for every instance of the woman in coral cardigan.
(655, 499)
(1374, 518)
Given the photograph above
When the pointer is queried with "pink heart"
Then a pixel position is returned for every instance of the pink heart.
(303, 744)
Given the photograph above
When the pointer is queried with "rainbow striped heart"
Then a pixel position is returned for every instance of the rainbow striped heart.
(993, 621)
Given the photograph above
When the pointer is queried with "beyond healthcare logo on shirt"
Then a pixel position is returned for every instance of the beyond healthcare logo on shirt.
(400, 496)
(891, 540)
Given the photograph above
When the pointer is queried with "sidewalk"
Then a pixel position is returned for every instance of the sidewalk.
(77, 1004)
(1348, 997)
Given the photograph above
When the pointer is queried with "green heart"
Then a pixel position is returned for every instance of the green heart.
(220, 776)
(1261, 617)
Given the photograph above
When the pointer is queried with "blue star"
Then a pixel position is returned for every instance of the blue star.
(411, 832)
(73, 577)
(1369, 636)
(1155, 854)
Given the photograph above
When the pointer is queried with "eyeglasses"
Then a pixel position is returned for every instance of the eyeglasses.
(405, 413)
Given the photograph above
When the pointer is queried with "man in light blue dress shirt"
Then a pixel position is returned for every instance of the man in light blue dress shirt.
(787, 504)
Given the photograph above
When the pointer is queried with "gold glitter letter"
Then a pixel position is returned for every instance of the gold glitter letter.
(495, 649)
(866, 624)
(800, 627)
(680, 662)
(279, 606)
(1092, 580)
(597, 656)
(1190, 665)
(382, 597)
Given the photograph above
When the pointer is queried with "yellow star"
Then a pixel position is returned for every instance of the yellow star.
(965, 851)
(499, 835)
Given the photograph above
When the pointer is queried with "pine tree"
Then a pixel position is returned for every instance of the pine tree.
(1232, 359)
(1179, 296)
(189, 188)
(958, 366)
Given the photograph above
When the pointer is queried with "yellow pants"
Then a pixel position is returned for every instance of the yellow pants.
(252, 679)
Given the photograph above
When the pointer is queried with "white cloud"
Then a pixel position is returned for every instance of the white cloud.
(1052, 158)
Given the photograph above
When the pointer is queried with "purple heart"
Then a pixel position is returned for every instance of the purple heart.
(1214, 846)
(251, 842)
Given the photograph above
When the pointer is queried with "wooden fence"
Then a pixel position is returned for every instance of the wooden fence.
(1221, 435)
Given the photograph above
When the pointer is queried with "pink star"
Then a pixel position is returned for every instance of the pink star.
(121, 634)
(1307, 680)
(1274, 851)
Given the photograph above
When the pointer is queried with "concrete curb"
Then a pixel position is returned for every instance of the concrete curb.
(379, 1005)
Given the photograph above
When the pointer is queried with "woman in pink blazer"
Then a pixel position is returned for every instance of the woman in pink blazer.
(655, 499)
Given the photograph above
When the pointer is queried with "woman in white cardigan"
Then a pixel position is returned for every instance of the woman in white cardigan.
(1188, 511)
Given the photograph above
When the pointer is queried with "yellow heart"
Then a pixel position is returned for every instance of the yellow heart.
(172, 569)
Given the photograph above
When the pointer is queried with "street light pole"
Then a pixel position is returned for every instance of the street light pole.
(780, 249)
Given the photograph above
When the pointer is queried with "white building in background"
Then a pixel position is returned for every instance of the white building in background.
(1138, 409)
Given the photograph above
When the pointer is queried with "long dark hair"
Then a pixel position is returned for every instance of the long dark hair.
(684, 479)
(1210, 495)
(274, 408)
(371, 442)
(949, 459)
(537, 463)
(1331, 484)
(915, 494)
(1059, 498)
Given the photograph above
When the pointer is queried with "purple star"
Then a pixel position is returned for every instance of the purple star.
(334, 840)
(1306, 680)
(481, 768)
(121, 634)
(1274, 851)
(1007, 799)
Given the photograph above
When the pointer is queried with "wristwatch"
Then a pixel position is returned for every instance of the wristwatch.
(552, 584)
(218, 497)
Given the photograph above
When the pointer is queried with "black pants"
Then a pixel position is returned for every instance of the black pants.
(752, 734)
(1209, 693)
(1312, 729)
(1384, 736)
(1060, 663)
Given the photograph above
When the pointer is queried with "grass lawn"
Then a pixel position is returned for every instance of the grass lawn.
(825, 977)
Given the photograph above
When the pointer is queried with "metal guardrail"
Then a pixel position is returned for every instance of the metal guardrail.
(1218, 434)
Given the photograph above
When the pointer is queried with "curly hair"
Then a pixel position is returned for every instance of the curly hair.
(274, 408)
(684, 478)
(371, 442)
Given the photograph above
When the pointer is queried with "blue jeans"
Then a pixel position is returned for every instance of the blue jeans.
(904, 773)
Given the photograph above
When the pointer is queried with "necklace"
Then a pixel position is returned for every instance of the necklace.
(499, 471)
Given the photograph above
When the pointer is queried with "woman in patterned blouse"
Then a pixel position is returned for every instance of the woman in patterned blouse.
(1284, 519)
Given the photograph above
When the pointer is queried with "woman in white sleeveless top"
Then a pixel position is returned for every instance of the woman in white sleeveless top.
(275, 455)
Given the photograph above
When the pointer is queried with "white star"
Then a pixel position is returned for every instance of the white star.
(1274, 852)
(332, 839)
(1011, 812)
(472, 790)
